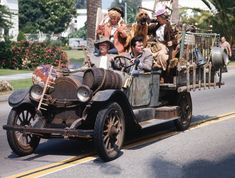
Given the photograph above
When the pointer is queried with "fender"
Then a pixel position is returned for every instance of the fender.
(120, 97)
(18, 97)
(104, 95)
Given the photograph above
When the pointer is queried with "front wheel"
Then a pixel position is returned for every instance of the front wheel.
(22, 144)
(184, 101)
(109, 131)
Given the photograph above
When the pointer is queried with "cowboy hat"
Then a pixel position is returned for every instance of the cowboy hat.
(104, 40)
(119, 10)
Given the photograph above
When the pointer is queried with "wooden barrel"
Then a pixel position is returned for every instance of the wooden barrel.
(103, 79)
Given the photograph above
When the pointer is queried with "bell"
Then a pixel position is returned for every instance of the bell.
(200, 60)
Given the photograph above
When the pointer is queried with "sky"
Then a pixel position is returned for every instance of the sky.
(193, 4)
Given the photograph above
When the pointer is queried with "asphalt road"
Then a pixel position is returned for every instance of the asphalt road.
(204, 151)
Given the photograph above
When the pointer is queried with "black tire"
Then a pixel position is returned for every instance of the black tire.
(109, 132)
(184, 101)
(22, 144)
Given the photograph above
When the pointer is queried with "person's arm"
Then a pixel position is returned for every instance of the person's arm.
(229, 50)
(147, 62)
(170, 36)
(100, 30)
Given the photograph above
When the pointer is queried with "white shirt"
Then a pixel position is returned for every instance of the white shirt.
(104, 62)
(113, 30)
(160, 33)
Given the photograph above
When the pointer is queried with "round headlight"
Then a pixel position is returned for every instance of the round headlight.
(36, 92)
(84, 93)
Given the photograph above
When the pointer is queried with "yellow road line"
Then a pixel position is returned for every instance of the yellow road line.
(55, 166)
(73, 161)
(61, 167)
(212, 120)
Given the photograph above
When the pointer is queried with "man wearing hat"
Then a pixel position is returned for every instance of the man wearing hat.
(114, 29)
(103, 59)
(163, 34)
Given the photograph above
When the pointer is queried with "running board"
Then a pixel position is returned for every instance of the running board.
(153, 122)
(152, 116)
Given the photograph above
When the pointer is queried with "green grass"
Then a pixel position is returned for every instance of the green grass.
(75, 54)
(21, 84)
(10, 71)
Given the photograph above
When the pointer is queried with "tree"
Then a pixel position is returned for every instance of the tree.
(48, 16)
(80, 33)
(30, 13)
(222, 19)
(5, 16)
(92, 6)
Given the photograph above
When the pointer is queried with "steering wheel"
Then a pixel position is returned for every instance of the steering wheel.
(122, 62)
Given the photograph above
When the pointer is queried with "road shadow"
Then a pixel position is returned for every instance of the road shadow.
(201, 117)
(167, 130)
(59, 147)
(196, 169)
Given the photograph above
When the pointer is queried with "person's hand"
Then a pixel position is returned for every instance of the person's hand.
(100, 29)
(169, 43)
(121, 29)
(136, 61)
(111, 59)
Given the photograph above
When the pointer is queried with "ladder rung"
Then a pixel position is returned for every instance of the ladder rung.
(50, 86)
(43, 108)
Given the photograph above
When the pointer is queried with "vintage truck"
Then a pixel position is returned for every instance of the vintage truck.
(104, 105)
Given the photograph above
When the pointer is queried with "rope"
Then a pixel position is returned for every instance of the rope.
(103, 80)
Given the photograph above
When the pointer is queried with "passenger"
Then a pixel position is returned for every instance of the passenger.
(140, 56)
(226, 46)
(104, 59)
(114, 29)
(164, 34)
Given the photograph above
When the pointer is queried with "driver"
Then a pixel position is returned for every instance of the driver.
(141, 58)
(103, 59)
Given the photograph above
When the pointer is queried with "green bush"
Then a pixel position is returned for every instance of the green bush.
(6, 54)
(21, 36)
(26, 55)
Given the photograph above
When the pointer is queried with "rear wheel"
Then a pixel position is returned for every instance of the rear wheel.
(22, 144)
(184, 101)
(109, 131)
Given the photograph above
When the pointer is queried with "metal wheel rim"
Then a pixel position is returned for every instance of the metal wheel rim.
(112, 131)
(23, 118)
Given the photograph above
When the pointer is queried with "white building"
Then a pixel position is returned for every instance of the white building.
(76, 22)
(14, 9)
